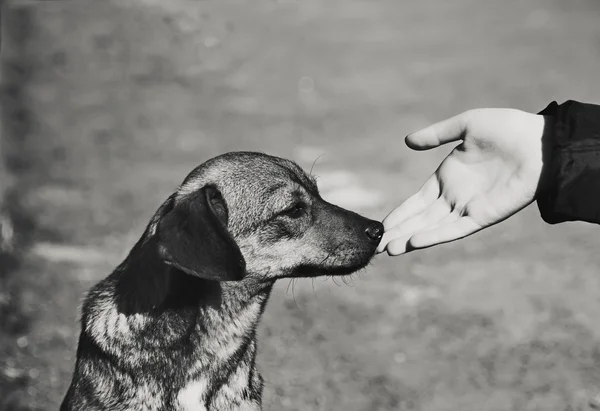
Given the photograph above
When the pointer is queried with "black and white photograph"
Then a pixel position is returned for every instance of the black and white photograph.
(299, 205)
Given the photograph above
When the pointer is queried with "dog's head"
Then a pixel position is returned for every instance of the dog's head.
(257, 216)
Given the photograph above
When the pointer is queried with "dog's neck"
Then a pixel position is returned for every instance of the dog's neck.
(160, 306)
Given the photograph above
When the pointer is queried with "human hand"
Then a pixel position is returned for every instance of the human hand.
(490, 176)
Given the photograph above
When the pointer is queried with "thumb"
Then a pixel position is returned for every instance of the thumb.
(445, 131)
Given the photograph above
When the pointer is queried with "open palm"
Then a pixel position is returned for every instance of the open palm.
(490, 176)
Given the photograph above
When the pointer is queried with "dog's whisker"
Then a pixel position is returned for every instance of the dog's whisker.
(287, 290)
(293, 295)
(312, 282)
(313, 164)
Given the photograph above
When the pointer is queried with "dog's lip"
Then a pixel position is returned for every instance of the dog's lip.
(358, 262)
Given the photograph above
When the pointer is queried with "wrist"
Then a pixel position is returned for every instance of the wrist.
(547, 146)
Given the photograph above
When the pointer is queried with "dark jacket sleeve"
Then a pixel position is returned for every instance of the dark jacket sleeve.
(571, 189)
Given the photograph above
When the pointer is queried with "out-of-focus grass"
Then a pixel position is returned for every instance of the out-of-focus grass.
(122, 99)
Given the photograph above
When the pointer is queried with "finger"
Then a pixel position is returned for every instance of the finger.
(445, 131)
(398, 246)
(389, 237)
(423, 221)
(428, 218)
(415, 204)
(460, 228)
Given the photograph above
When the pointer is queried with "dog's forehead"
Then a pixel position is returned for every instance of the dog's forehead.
(249, 177)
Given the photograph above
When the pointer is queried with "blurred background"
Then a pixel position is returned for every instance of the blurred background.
(107, 105)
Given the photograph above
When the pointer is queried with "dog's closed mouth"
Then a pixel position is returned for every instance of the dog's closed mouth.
(356, 261)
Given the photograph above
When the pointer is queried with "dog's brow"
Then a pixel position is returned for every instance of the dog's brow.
(285, 194)
(274, 188)
(297, 174)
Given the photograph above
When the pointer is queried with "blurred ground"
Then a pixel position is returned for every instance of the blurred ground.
(121, 99)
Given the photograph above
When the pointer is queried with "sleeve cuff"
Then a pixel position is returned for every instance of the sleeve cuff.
(572, 170)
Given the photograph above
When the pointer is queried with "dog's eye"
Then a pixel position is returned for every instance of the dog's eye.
(295, 211)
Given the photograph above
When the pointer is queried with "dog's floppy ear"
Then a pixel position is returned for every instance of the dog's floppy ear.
(193, 237)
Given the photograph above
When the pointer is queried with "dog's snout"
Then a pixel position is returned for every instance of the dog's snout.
(375, 231)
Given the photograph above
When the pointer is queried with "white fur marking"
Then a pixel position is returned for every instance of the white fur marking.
(191, 397)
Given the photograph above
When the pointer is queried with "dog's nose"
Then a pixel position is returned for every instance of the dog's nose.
(375, 231)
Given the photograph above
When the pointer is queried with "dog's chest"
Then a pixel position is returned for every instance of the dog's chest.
(192, 397)
(223, 377)
(200, 394)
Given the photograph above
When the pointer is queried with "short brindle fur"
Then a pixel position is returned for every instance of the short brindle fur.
(174, 326)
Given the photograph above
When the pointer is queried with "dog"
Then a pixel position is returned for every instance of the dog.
(174, 326)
